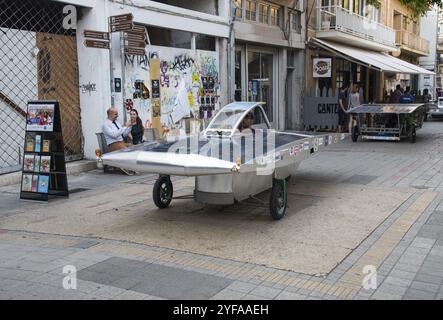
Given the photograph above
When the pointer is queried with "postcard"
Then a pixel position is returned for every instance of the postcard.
(27, 182)
(28, 162)
(34, 183)
(37, 164)
(45, 164)
(38, 143)
(43, 184)
(46, 145)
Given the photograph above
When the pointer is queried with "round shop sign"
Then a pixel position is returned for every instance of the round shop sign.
(322, 68)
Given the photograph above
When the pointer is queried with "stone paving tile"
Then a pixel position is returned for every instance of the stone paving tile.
(413, 294)
(266, 292)
(227, 294)
(424, 286)
(241, 286)
(398, 281)
(253, 297)
(286, 295)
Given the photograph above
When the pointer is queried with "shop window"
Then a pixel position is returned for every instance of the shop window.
(343, 72)
(169, 38)
(203, 42)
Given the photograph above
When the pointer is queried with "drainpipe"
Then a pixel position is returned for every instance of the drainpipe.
(230, 49)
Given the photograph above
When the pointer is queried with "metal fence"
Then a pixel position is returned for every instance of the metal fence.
(38, 61)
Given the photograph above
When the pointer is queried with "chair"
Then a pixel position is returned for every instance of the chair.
(103, 146)
(104, 149)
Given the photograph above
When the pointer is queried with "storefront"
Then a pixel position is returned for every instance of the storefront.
(370, 69)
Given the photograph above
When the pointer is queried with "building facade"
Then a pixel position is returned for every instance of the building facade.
(211, 52)
(377, 48)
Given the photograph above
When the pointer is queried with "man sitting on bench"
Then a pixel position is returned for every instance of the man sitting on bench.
(114, 132)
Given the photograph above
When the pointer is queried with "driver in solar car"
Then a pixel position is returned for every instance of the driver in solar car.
(246, 124)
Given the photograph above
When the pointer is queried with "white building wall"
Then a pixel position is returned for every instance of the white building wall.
(429, 31)
(94, 70)
(94, 64)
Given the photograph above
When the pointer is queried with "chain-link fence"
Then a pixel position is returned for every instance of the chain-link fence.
(38, 61)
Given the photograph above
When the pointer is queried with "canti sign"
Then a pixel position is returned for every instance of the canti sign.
(322, 67)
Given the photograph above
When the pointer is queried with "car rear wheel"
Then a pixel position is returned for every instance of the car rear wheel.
(355, 134)
(278, 199)
(412, 134)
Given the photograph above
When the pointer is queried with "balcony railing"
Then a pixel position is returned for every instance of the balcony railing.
(340, 19)
(412, 41)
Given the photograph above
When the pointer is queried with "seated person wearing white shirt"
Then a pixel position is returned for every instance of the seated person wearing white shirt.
(114, 132)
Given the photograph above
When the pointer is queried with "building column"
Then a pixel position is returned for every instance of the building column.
(93, 69)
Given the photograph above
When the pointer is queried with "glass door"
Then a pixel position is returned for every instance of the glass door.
(261, 80)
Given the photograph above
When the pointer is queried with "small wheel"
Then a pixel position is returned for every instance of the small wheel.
(355, 134)
(412, 135)
(162, 192)
(278, 199)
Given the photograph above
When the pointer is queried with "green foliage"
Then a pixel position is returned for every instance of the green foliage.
(418, 7)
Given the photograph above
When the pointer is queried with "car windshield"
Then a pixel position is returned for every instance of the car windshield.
(226, 119)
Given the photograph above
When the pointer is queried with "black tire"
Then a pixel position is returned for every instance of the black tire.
(278, 201)
(412, 135)
(355, 134)
(162, 192)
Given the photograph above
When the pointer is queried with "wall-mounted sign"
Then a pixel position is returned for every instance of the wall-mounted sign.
(322, 68)
(96, 44)
(96, 34)
(122, 22)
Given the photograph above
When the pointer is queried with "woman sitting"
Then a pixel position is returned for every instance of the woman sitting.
(137, 131)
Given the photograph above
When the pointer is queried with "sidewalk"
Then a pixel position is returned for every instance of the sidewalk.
(123, 248)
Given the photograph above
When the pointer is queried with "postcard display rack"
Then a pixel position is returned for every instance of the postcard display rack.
(44, 167)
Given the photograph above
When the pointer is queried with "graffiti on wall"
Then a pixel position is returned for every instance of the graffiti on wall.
(189, 82)
(88, 87)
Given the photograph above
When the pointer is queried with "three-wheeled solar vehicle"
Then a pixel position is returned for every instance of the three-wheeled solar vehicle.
(237, 157)
(389, 122)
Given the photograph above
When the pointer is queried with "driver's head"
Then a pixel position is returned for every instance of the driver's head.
(248, 120)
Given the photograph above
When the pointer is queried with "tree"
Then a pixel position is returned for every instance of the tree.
(417, 7)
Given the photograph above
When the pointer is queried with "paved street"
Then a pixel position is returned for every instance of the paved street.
(354, 205)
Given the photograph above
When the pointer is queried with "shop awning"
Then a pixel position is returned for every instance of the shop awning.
(372, 59)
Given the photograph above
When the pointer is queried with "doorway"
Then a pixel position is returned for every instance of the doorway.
(255, 77)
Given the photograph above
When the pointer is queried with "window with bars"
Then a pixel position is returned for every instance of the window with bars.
(295, 21)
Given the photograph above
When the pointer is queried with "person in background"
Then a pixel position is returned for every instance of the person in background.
(114, 132)
(137, 129)
(354, 101)
(342, 107)
(407, 97)
(395, 98)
